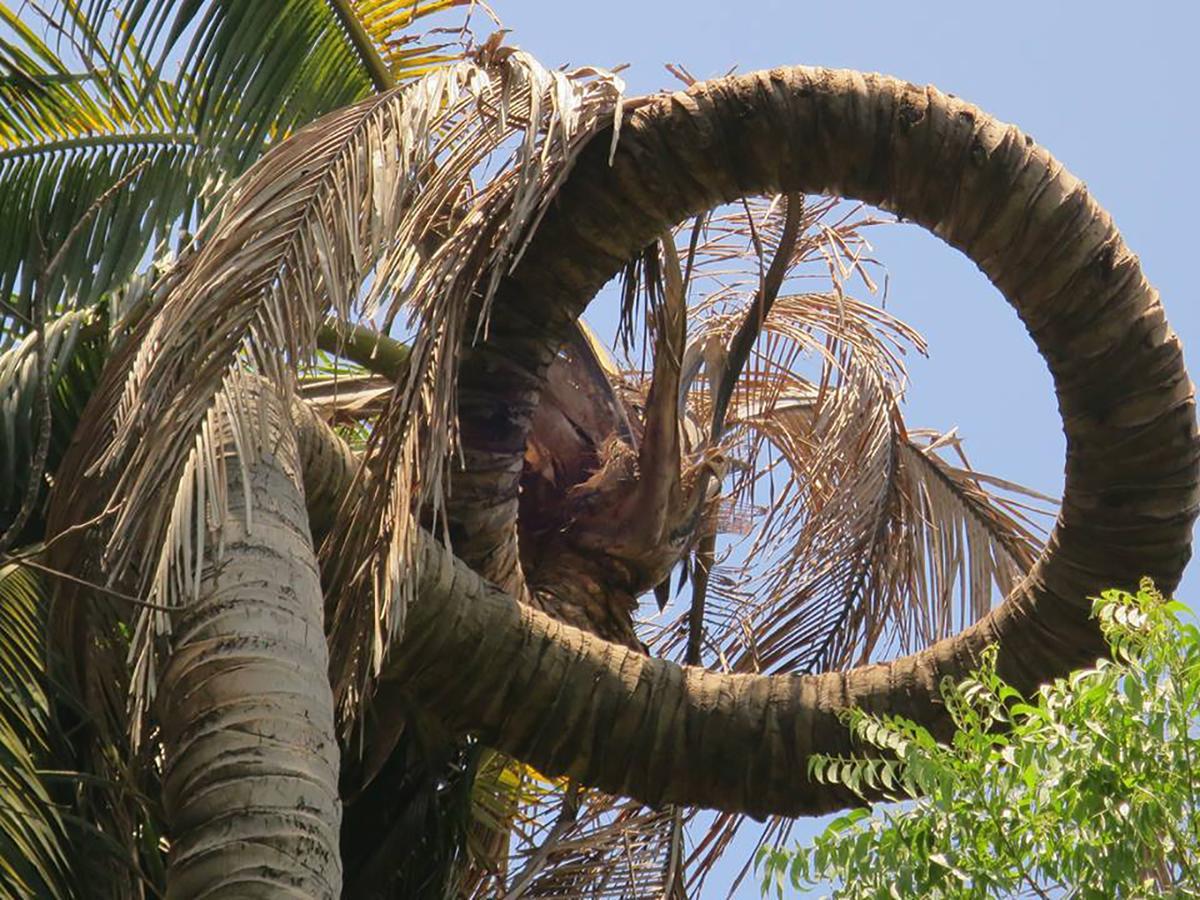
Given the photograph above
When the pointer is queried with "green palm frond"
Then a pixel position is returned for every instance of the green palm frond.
(215, 84)
(76, 343)
(268, 68)
(257, 71)
(73, 819)
(35, 856)
(46, 100)
(66, 140)
(382, 29)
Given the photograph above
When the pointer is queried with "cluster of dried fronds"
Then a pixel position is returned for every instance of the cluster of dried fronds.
(839, 530)
(382, 190)
(870, 534)
(832, 531)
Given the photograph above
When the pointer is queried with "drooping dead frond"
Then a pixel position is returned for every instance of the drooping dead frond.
(547, 116)
(969, 543)
(853, 527)
(510, 802)
(873, 540)
(533, 836)
(872, 536)
(595, 847)
(854, 533)
(381, 189)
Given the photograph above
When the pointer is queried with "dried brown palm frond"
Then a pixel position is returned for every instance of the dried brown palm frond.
(851, 518)
(861, 534)
(595, 846)
(382, 189)
(901, 549)
(533, 836)
(353, 374)
(549, 114)
(347, 399)
(869, 537)
(871, 534)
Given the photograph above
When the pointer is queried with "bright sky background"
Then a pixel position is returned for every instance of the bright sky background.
(1110, 88)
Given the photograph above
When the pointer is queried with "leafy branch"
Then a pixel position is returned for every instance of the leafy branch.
(1086, 788)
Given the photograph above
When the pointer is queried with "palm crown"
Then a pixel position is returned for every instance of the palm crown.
(225, 214)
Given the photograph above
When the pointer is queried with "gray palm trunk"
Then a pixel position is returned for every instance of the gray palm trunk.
(251, 759)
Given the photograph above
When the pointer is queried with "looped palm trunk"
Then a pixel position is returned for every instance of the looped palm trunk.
(601, 714)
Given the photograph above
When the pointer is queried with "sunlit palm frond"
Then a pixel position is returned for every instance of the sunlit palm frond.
(69, 133)
(47, 99)
(389, 23)
(506, 798)
(263, 69)
(215, 84)
(34, 845)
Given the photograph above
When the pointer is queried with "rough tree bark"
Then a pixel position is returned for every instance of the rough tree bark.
(250, 782)
(571, 703)
(245, 703)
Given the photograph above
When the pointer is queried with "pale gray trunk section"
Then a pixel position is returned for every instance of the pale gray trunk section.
(250, 786)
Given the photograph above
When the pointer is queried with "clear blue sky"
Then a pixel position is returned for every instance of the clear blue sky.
(1110, 88)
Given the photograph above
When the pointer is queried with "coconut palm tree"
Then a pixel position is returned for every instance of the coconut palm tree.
(211, 705)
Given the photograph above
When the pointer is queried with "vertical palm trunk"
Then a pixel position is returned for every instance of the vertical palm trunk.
(572, 704)
(250, 786)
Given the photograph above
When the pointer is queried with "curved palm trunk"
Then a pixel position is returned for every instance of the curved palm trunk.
(592, 709)
(250, 786)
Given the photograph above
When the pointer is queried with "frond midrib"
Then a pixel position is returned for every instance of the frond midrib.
(1011, 544)
(179, 139)
(361, 43)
